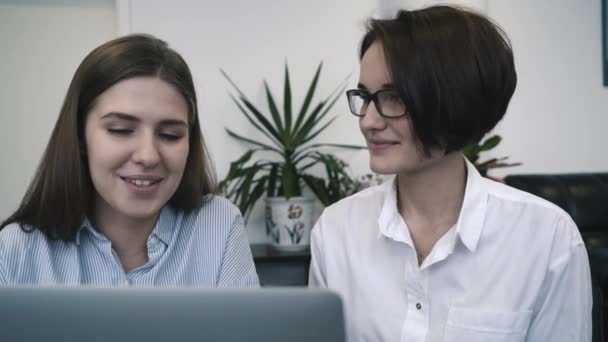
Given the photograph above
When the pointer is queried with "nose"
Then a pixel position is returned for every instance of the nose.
(146, 151)
(371, 120)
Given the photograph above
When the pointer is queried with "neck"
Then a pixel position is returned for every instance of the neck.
(432, 197)
(129, 236)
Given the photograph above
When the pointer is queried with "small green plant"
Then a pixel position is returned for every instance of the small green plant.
(472, 153)
(288, 136)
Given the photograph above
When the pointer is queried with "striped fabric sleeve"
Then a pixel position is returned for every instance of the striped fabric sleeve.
(2, 270)
(237, 269)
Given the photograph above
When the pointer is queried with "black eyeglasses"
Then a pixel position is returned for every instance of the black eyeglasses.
(387, 101)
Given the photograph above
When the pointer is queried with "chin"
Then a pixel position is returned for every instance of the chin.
(383, 167)
(141, 213)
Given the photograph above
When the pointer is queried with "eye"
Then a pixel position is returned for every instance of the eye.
(119, 131)
(392, 97)
(170, 136)
(362, 94)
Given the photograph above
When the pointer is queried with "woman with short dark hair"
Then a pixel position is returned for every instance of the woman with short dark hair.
(440, 253)
(124, 194)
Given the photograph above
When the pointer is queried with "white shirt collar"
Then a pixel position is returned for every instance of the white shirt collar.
(474, 207)
(470, 220)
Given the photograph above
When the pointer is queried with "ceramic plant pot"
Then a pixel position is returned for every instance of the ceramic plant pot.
(288, 222)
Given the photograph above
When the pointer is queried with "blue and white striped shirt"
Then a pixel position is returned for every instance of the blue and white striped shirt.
(206, 247)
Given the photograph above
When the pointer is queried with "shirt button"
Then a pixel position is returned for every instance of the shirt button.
(418, 306)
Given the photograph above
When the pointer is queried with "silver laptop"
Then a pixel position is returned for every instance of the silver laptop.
(169, 315)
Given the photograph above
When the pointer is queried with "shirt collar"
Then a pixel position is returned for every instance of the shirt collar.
(470, 220)
(164, 226)
(473, 211)
(390, 221)
(163, 230)
(86, 226)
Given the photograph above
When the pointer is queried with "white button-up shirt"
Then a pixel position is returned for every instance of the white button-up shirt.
(513, 268)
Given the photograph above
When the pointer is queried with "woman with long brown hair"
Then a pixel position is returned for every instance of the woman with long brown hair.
(124, 194)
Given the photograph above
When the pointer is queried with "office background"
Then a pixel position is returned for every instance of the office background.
(556, 122)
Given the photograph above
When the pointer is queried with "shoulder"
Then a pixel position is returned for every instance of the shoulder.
(365, 202)
(15, 237)
(508, 196)
(354, 217)
(212, 206)
(546, 219)
(221, 204)
(215, 214)
(18, 241)
(507, 193)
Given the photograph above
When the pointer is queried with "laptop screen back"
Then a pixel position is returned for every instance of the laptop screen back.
(154, 315)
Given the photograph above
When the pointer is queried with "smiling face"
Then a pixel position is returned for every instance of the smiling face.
(137, 145)
(392, 144)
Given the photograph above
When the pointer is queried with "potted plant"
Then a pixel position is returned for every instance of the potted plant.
(472, 152)
(288, 137)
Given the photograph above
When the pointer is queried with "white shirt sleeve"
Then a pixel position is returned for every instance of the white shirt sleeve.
(316, 275)
(565, 303)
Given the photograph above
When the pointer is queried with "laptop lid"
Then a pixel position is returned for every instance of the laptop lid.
(169, 314)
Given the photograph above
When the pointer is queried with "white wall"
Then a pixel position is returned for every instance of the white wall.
(555, 123)
(558, 118)
(42, 44)
(390, 6)
(251, 40)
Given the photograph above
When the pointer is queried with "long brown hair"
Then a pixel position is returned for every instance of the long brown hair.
(61, 194)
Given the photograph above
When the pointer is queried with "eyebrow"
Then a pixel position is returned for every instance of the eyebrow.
(361, 86)
(132, 118)
(119, 115)
(383, 87)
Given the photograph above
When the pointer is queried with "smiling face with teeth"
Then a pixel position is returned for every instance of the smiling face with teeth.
(137, 146)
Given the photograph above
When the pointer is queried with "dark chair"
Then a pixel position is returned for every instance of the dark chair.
(585, 197)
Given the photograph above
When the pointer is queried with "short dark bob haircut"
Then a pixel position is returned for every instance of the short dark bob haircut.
(61, 194)
(452, 67)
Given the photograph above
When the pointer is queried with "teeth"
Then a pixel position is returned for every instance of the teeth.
(141, 182)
